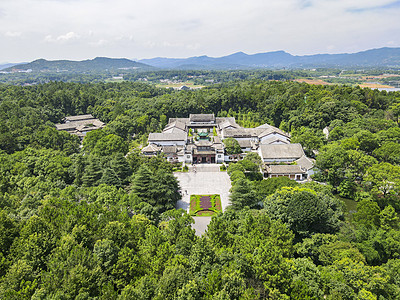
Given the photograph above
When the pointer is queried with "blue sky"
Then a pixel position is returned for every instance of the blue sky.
(82, 29)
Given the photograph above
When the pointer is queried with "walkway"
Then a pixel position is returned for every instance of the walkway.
(207, 179)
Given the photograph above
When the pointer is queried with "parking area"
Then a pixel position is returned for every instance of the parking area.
(203, 180)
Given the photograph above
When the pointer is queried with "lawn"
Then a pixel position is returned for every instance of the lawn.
(205, 205)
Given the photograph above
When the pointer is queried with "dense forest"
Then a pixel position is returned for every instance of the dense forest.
(97, 221)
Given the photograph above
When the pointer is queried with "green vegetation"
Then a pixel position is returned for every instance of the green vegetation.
(98, 221)
(205, 205)
(232, 146)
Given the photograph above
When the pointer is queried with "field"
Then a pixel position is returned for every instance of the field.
(375, 86)
(177, 85)
(205, 205)
(313, 81)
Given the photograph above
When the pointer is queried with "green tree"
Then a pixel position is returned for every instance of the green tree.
(368, 141)
(304, 210)
(388, 218)
(91, 138)
(109, 177)
(121, 167)
(93, 172)
(367, 213)
(243, 195)
(383, 178)
(331, 164)
(107, 253)
(269, 186)
(309, 139)
(389, 152)
(232, 146)
(110, 144)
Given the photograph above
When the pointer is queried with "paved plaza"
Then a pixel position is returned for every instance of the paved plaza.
(203, 180)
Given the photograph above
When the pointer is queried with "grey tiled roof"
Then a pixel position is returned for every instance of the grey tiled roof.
(284, 169)
(273, 140)
(176, 136)
(176, 124)
(202, 118)
(305, 162)
(270, 130)
(281, 151)
(169, 149)
(245, 143)
(242, 132)
(80, 124)
(79, 118)
(151, 148)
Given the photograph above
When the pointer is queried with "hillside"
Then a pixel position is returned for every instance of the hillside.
(99, 64)
(374, 58)
(7, 65)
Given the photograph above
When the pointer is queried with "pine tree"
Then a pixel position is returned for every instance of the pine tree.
(142, 184)
(93, 172)
(110, 178)
(121, 167)
(78, 168)
(243, 195)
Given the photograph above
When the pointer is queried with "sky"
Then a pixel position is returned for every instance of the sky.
(85, 29)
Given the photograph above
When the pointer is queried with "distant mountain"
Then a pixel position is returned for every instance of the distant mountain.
(383, 57)
(374, 58)
(99, 64)
(8, 65)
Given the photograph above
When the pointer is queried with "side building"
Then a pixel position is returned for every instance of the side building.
(80, 125)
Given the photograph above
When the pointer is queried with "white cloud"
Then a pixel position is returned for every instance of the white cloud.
(13, 34)
(99, 43)
(177, 28)
(62, 38)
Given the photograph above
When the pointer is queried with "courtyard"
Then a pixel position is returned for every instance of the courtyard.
(205, 179)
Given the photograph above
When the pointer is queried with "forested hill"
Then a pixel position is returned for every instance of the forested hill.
(99, 64)
(98, 220)
(374, 58)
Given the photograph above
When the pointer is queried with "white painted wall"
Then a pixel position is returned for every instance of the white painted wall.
(169, 143)
(188, 158)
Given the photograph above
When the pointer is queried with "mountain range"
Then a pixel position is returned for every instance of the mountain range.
(99, 64)
(8, 65)
(382, 57)
(374, 58)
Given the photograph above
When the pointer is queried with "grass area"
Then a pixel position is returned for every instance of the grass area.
(205, 205)
(180, 169)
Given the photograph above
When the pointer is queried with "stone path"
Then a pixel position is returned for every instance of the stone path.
(207, 179)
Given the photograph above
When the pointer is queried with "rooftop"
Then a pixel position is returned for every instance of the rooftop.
(151, 148)
(72, 125)
(281, 151)
(202, 118)
(176, 125)
(305, 162)
(163, 136)
(78, 118)
(284, 169)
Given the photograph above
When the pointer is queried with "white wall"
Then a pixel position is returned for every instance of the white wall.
(188, 158)
(169, 143)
